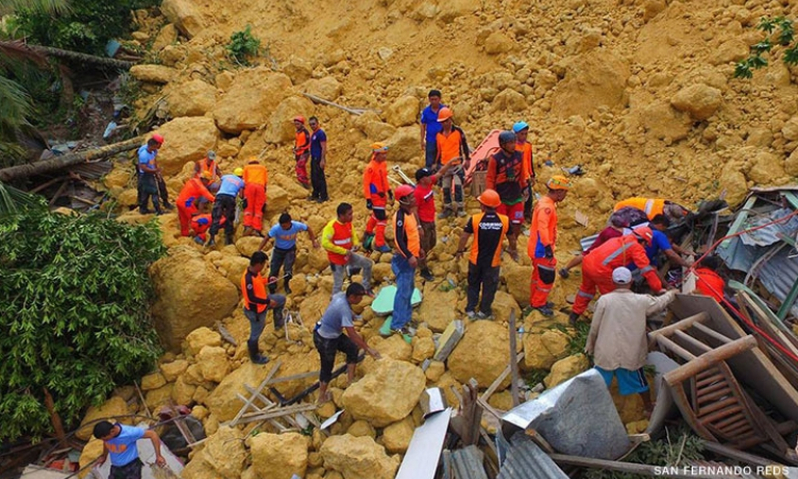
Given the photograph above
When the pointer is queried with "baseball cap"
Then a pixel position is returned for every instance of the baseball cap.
(423, 173)
(621, 275)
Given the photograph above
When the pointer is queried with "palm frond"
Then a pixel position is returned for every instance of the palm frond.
(13, 200)
(17, 50)
(48, 6)
(15, 105)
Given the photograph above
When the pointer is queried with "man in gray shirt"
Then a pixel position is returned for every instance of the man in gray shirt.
(329, 338)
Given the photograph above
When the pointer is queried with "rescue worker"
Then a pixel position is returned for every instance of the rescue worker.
(301, 151)
(506, 175)
(194, 189)
(257, 303)
(708, 281)
(489, 229)
(541, 245)
(452, 147)
(328, 337)
(614, 230)
(200, 224)
(430, 128)
(231, 188)
(653, 207)
(284, 254)
(660, 242)
(341, 244)
(521, 130)
(597, 267)
(405, 260)
(148, 170)
(119, 441)
(425, 209)
(256, 177)
(377, 191)
(209, 165)
(318, 161)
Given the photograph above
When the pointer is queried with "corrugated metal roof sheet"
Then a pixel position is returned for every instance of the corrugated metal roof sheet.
(525, 460)
(466, 463)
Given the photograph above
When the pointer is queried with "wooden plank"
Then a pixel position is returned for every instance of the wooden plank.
(711, 333)
(703, 348)
(513, 363)
(260, 387)
(682, 325)
(293, 378)
(735, 454)
(708, 359)
(280, 412)
(667, 344)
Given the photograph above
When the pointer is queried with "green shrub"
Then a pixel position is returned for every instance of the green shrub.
(242, 46)
(780, 30)
(74, 318)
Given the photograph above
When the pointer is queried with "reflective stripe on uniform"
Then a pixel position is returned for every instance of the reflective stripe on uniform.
(616, 253)
(584, 294)
(649, 207)
(646, 269)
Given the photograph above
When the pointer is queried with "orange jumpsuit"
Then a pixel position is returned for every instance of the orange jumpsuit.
(709, 283)
(543, 234)
(651, 206)
(186, 202)
(376, 188)
(201, 223)
(255, 178)
(302, 154)
(598, 265)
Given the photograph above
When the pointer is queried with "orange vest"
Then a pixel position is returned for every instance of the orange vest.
(342, 237)
(529, 168)
(375, 182)
(448, 145)
(204, 167)
(475, 221)
(254, 287)
(302, 142)
(257, 174)
(192, 190)
(651, 206)
(410, 227)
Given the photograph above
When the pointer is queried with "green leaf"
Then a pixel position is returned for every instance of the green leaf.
(742, 70)
(791, 55)
(766, 24)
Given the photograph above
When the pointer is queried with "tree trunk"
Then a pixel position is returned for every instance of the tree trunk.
(39, 167)
(70, 55)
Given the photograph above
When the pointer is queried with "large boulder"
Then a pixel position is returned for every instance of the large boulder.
(251, 99)
(358, 458)
(327, 88)
(193, 98)
(403, 112)
(482, 354)
(404, 145)
(114, 407)
(279, 455)
(185, 139)
(386, 394)
(396, 437)
(185, 15)
(213, 363)
(593, 79)
(517, 277)
(281, 126)
(200, 338)
(223, 401)
(542, 350)
(182, 305)
(699, 100)
(165, 37)
(565, 369)
(436, 307)
(225, 452)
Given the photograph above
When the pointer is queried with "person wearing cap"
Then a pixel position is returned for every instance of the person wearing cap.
(209, 168)
(257, 302)
(541, 245)
(318, 161)
(617, 338)
(301, 151)
(194, 189)
(507, 176)
(341, 244)
(148, 170)
(430, 127)
(284, 254)
(256, 177)
(119, 442)
(329, 337)
(614, 230)
(377, 191)
(597, 267)
(489, 229)
(404, 262)
(452, 148)
(521, 130)
(425, 209)
(232, 187)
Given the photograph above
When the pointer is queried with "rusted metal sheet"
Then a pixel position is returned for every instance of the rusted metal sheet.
(525, 460)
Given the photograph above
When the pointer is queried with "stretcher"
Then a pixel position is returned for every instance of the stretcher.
(480, 155)
(382, 305)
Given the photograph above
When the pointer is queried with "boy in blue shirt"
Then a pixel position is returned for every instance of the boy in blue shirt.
(119, 441)
(284, 254)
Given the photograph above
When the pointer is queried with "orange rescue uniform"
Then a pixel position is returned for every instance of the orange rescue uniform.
(375, 188)
(256, 176)
(543, 234)
(187, 202)
(451, 146)
(526, 151)
(709, 283)
(651, 206)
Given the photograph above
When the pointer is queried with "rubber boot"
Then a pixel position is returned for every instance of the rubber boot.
(285, 284)
(228, 240)
(368, 241)
(254, 355)
(211, 242)
(279, 321)
(572, 319)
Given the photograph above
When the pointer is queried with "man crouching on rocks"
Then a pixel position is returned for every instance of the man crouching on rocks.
(329, 338)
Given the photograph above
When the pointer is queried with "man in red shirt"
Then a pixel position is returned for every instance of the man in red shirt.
(425, 208)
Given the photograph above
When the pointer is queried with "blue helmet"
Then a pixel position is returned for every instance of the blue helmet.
(506, 137)
(520, 126)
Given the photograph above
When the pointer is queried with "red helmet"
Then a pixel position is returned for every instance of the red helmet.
(158, 138)
(403, 191)
(644, 233)
(299, 118)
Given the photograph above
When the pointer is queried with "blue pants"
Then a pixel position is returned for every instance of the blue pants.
(629, 382)
(402, 302)
(430, 153)
(257, 321)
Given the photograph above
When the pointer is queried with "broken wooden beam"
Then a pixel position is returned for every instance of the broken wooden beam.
(513, 363)
(708, 359)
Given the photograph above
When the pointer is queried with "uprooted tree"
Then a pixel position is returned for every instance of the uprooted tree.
(74, 319)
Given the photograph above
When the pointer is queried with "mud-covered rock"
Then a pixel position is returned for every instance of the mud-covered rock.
(279, 455)
(358, 458)
(386, 394)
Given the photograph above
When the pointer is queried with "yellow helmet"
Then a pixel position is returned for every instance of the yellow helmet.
(379, 147)
(558, 182)
(238, 171)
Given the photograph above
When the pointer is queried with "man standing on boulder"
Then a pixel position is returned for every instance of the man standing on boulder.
(430, 128)
(284, 254)
(148, 171)
(425, 208)
(209, 165)
(256, 176)
(318, 161)
(507, 176)
(225, 206)
(377, 191)
(452, 147)
(329, 338)
(301, 151)
(257, 303)
(340, 242)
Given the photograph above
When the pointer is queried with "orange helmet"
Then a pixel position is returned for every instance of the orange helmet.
(379, 147)
(299, 118)
(444, 114)
(157, 137)
(644, 233)
(403, 191)
(558, 182)
(490, 199)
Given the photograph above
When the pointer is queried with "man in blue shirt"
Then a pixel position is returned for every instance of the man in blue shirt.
(119, 442)
(661, 243)
(284, 254)
(430, 127)
(225, 205)
(318, 160)
(329, 338)
(147, 170)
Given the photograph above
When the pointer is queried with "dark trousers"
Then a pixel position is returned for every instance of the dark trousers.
(327, 349)
(282, 258)
(148, 190)
(131, 470)
(528, 204)
(487, 278)
(225, 205)
(317, 180)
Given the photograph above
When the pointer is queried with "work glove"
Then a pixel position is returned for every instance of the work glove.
(369, 205)
(549, 253)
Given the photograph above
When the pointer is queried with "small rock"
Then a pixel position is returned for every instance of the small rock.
(153, 73)
(699, 100)
(152, 381)
(565, 369)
